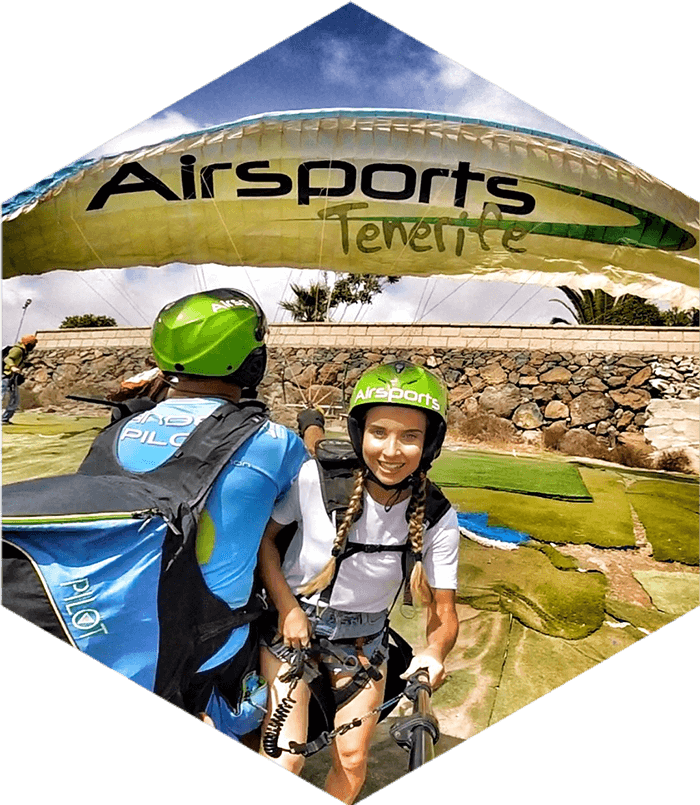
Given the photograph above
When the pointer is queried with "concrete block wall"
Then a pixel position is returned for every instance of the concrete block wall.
(594, 338)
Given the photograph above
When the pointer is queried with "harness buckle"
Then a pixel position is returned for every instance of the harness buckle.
(310, 748)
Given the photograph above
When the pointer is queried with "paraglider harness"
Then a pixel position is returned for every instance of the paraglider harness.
(105, 558)
(337, 462)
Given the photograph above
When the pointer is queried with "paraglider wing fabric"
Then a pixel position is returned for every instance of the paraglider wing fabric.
(365, 191)
(477, 523)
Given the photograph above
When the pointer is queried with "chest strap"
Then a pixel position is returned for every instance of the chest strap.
(352, 548)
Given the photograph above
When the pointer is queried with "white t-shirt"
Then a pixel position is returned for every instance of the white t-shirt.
(366, 582)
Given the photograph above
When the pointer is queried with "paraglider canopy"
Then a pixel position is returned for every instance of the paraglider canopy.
(366, 191)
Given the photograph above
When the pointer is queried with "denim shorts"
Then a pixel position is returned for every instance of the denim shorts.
(338, 632)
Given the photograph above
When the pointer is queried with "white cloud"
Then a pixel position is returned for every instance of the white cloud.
(458, 90)
(155, 130)
(339, 62)
(450, 74)
(134, 296)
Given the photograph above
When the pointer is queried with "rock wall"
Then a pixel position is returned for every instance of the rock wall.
(673, 424)
(525, 395)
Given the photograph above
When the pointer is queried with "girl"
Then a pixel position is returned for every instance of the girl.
(337, 586)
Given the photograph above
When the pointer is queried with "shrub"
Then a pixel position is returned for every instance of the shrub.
(87, 320)
(630, 455)
(674, 460)
(488, 429)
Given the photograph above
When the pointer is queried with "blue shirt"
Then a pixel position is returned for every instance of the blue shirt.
(240, 502)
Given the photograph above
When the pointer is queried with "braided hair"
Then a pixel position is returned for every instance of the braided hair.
(324, 577)
(418, 583)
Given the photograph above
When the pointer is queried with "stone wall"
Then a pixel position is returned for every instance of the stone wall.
(522, 392)
(602, 398)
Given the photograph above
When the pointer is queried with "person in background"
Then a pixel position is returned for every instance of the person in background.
(12, 376)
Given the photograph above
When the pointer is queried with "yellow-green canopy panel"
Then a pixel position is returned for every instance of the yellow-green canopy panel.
(366, 191)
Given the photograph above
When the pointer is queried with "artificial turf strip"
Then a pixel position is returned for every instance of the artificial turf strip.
(642, 618)
(606, 523)
(668, 511)
(468, 697)
(526, 584)
(528, 476)
(536, 664)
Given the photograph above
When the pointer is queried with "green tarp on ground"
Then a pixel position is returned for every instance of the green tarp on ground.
(526, 584)
(645, 619)
(499, 666)
(536, 663)
(530, 476)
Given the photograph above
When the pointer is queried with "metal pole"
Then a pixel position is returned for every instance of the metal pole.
(422, 745)
(24, 310)
(418, 732)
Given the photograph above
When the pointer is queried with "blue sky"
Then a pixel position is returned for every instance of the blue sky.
(349, 58)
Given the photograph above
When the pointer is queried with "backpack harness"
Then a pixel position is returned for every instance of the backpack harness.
(337, 462)
(17, 378)
(105, 558)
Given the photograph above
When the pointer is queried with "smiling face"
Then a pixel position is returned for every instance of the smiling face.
(392, 444)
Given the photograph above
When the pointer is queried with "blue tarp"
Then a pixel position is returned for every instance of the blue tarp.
(477, 522)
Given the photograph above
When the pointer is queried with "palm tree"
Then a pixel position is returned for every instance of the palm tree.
(586, 307)
(599, 307)
(309, 304)
(319, 300)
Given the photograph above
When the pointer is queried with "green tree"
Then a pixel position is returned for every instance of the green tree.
(681, 318)
(87, 320)
(318, 300)
(599, 307)
(309, 304)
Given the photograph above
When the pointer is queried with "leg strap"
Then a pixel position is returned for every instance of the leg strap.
(366, 671)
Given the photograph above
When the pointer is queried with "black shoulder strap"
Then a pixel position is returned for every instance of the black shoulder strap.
(436, 505)
(196, 464)
(337, 463)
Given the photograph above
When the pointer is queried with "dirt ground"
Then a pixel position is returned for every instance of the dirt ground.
(619, 565)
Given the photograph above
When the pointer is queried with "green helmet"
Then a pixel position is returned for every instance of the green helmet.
(216, 333)
(401, 383)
